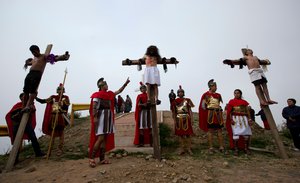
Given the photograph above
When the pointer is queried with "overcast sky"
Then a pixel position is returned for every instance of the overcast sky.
(100, 34)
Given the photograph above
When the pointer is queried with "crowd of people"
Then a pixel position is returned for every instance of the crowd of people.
(237, 117)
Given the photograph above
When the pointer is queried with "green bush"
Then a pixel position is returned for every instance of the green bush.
(285, 131)
(165, 133)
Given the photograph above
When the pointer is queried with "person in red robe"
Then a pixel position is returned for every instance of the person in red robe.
(102, 122)
(56, 114)
(238, 123)
(183, 116)
(143, 123)
(210, 115)
(13, 119)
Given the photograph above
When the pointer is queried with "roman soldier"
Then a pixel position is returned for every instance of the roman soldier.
(55, 117)
(183, 117)
(210, 115)
(143, 120)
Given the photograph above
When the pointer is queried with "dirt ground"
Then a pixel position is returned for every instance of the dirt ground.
(139, 168)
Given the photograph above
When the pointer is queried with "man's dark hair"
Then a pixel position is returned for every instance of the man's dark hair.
(293, 100)
(34, 47)
(153, 51)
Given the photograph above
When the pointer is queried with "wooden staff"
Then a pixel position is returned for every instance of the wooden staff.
(56, 117)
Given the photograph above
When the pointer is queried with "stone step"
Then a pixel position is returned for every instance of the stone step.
(124, 141)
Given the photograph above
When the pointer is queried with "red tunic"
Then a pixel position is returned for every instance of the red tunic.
(143, 99)
(183, 126)
(233, 103)
(203, 113)
(32, 118)
(109, 140)
(49, 116)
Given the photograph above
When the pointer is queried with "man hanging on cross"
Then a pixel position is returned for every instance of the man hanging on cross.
(151, 74)
(256, 73)
(33, 78)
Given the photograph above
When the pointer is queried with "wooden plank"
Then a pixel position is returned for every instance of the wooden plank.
(141, 61)
(17, 142)
(155, 131)
(275, 133)
(4, 131)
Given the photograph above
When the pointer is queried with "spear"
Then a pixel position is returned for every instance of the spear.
(56, 116)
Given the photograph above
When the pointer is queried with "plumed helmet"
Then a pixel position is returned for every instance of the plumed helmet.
(60, 87)
(142, 85)
(101, 83)
(211, 83)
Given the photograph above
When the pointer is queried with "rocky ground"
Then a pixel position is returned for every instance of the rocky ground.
(125, 167)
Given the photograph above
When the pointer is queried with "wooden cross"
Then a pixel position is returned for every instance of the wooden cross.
(24, 120)
(155, 132)
(266, 108)
(17, 142)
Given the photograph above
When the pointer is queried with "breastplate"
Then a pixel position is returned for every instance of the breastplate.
(240, 109)
(213, 103)
(182, 108)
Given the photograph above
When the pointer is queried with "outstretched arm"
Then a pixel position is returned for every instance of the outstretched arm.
(241, 62)
(64, 57)
(264, 62)
(123, 87)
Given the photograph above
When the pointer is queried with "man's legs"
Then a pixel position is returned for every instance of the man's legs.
(29, 101)
(157, 101)
(148, 92)
(97, 145)
(247, 143)
(61, 143)
(189, 144)
(221, 141)
(266, 93)
(34, 142)
(235, 141)
(259, 93)
(141, 138)
(210, 140)
(295, 132)
(181, 145)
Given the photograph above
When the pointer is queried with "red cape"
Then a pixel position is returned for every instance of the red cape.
(143, 98)
(110, 140)
(10, 122)
(203, 113)
(190, 128)
(47, 122)
(232, 103)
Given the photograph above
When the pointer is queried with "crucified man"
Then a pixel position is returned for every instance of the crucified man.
(256, 74)
(33, 78)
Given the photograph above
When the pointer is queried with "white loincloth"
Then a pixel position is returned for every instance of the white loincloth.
(241, 126)
(151, 75)
(256, 74)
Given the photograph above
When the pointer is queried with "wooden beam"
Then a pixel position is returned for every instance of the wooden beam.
(141, 61)
(155, 131)
(275, 133)
(17, 142)
(4, 131)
